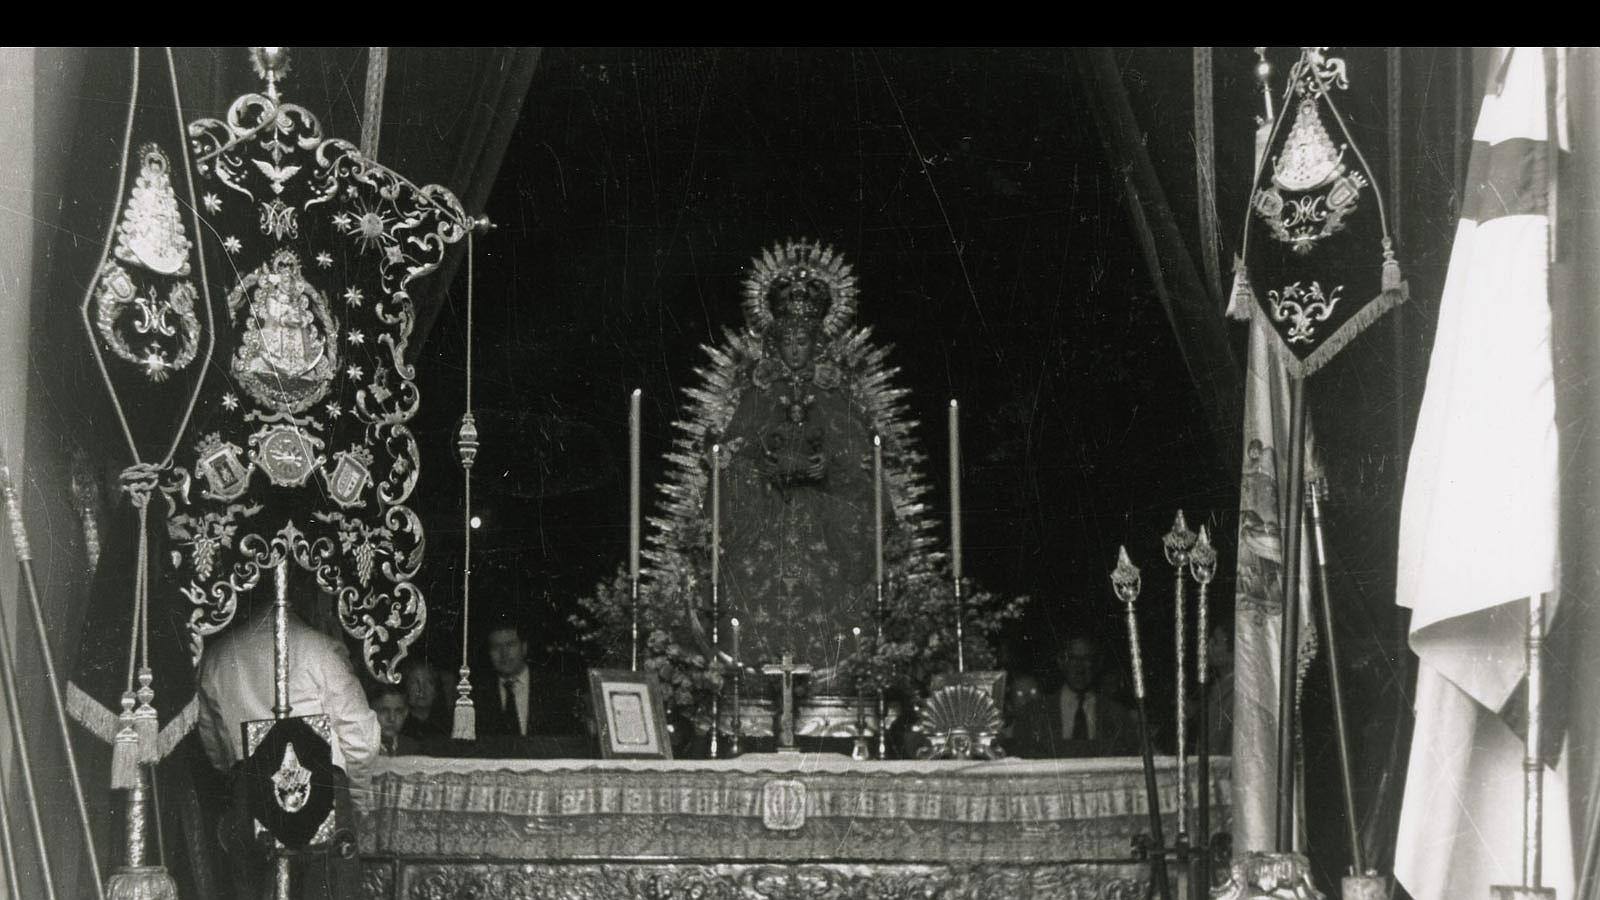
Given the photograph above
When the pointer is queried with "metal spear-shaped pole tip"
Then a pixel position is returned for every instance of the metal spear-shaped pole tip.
(1203, 558)
(1125, 578)
(271, 63)
(1178, 542)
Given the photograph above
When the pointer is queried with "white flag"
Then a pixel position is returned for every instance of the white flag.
(1478, 523)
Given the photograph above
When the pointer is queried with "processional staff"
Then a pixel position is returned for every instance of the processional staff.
(1125, 582)
(1203, 566)
(1177, 543)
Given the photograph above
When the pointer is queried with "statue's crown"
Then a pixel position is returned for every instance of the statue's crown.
(800, 280)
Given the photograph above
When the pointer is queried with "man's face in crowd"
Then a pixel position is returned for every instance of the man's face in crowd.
(421, 691)
(507, 652)
(391, 710)
(1080, 663)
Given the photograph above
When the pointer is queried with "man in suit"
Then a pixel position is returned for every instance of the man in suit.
(521, 712)
(1079, 719)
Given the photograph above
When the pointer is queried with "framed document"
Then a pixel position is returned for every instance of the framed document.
(630, 713)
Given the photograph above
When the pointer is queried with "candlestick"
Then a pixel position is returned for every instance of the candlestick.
(633, 484)
(955, 529)
(1177, 543)
(633, 533)
(716, 517)
(738, 677)
(877, 510)
(955, 489)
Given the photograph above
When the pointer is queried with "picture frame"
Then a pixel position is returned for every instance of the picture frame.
(630, 714)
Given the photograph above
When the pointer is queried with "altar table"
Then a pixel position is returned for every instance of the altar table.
(764, 827)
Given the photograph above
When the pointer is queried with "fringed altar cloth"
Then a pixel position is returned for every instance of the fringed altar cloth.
(763, 828)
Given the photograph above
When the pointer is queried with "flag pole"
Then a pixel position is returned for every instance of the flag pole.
(1290, 652)
(1362, 883)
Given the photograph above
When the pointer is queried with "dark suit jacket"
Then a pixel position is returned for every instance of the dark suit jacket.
(554, 727)
(1037, 730)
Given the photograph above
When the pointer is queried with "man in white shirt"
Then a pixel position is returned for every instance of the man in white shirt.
(235, 685)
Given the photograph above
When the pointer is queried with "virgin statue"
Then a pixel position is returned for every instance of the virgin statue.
(794, 401)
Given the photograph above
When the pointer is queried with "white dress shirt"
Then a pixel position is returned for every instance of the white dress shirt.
(1069, 708)
(235, 686)
(518, 684)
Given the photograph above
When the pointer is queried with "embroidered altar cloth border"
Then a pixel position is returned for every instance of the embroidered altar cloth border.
(905, 810)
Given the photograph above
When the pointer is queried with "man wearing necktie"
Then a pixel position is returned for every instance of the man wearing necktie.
(522, 712)
(1079, 719)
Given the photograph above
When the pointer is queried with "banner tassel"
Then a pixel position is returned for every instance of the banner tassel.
(1391, 268)
(146, 724)
(125, 748)
(465, 726)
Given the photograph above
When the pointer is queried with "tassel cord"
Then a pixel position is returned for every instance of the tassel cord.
(8, 673)
(466, 553)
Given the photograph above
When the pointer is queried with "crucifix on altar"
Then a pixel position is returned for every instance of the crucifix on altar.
(788, 669)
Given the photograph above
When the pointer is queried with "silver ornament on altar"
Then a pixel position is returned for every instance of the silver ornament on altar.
(961, 722)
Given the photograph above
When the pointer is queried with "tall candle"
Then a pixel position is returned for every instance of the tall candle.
(955, 490)
(716, 517)
(877, 508)
(633, 485)
(734, 652)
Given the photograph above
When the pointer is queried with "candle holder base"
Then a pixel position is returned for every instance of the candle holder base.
(1269, 876)
(1370, 886)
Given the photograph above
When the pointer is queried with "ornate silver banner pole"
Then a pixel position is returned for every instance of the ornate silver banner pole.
(1125, 582)
(1176, 544)
(280, 694)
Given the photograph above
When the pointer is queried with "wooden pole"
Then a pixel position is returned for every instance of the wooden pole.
(1289, 667)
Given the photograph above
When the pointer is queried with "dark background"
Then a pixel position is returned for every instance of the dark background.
(969, 190)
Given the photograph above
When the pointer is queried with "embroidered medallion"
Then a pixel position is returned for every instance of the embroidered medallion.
(350, 476)
(227, 477)
(291, 784)
(1312, 189)
(287, 454)
(168, 330)
(287, 357)
(151, 231)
